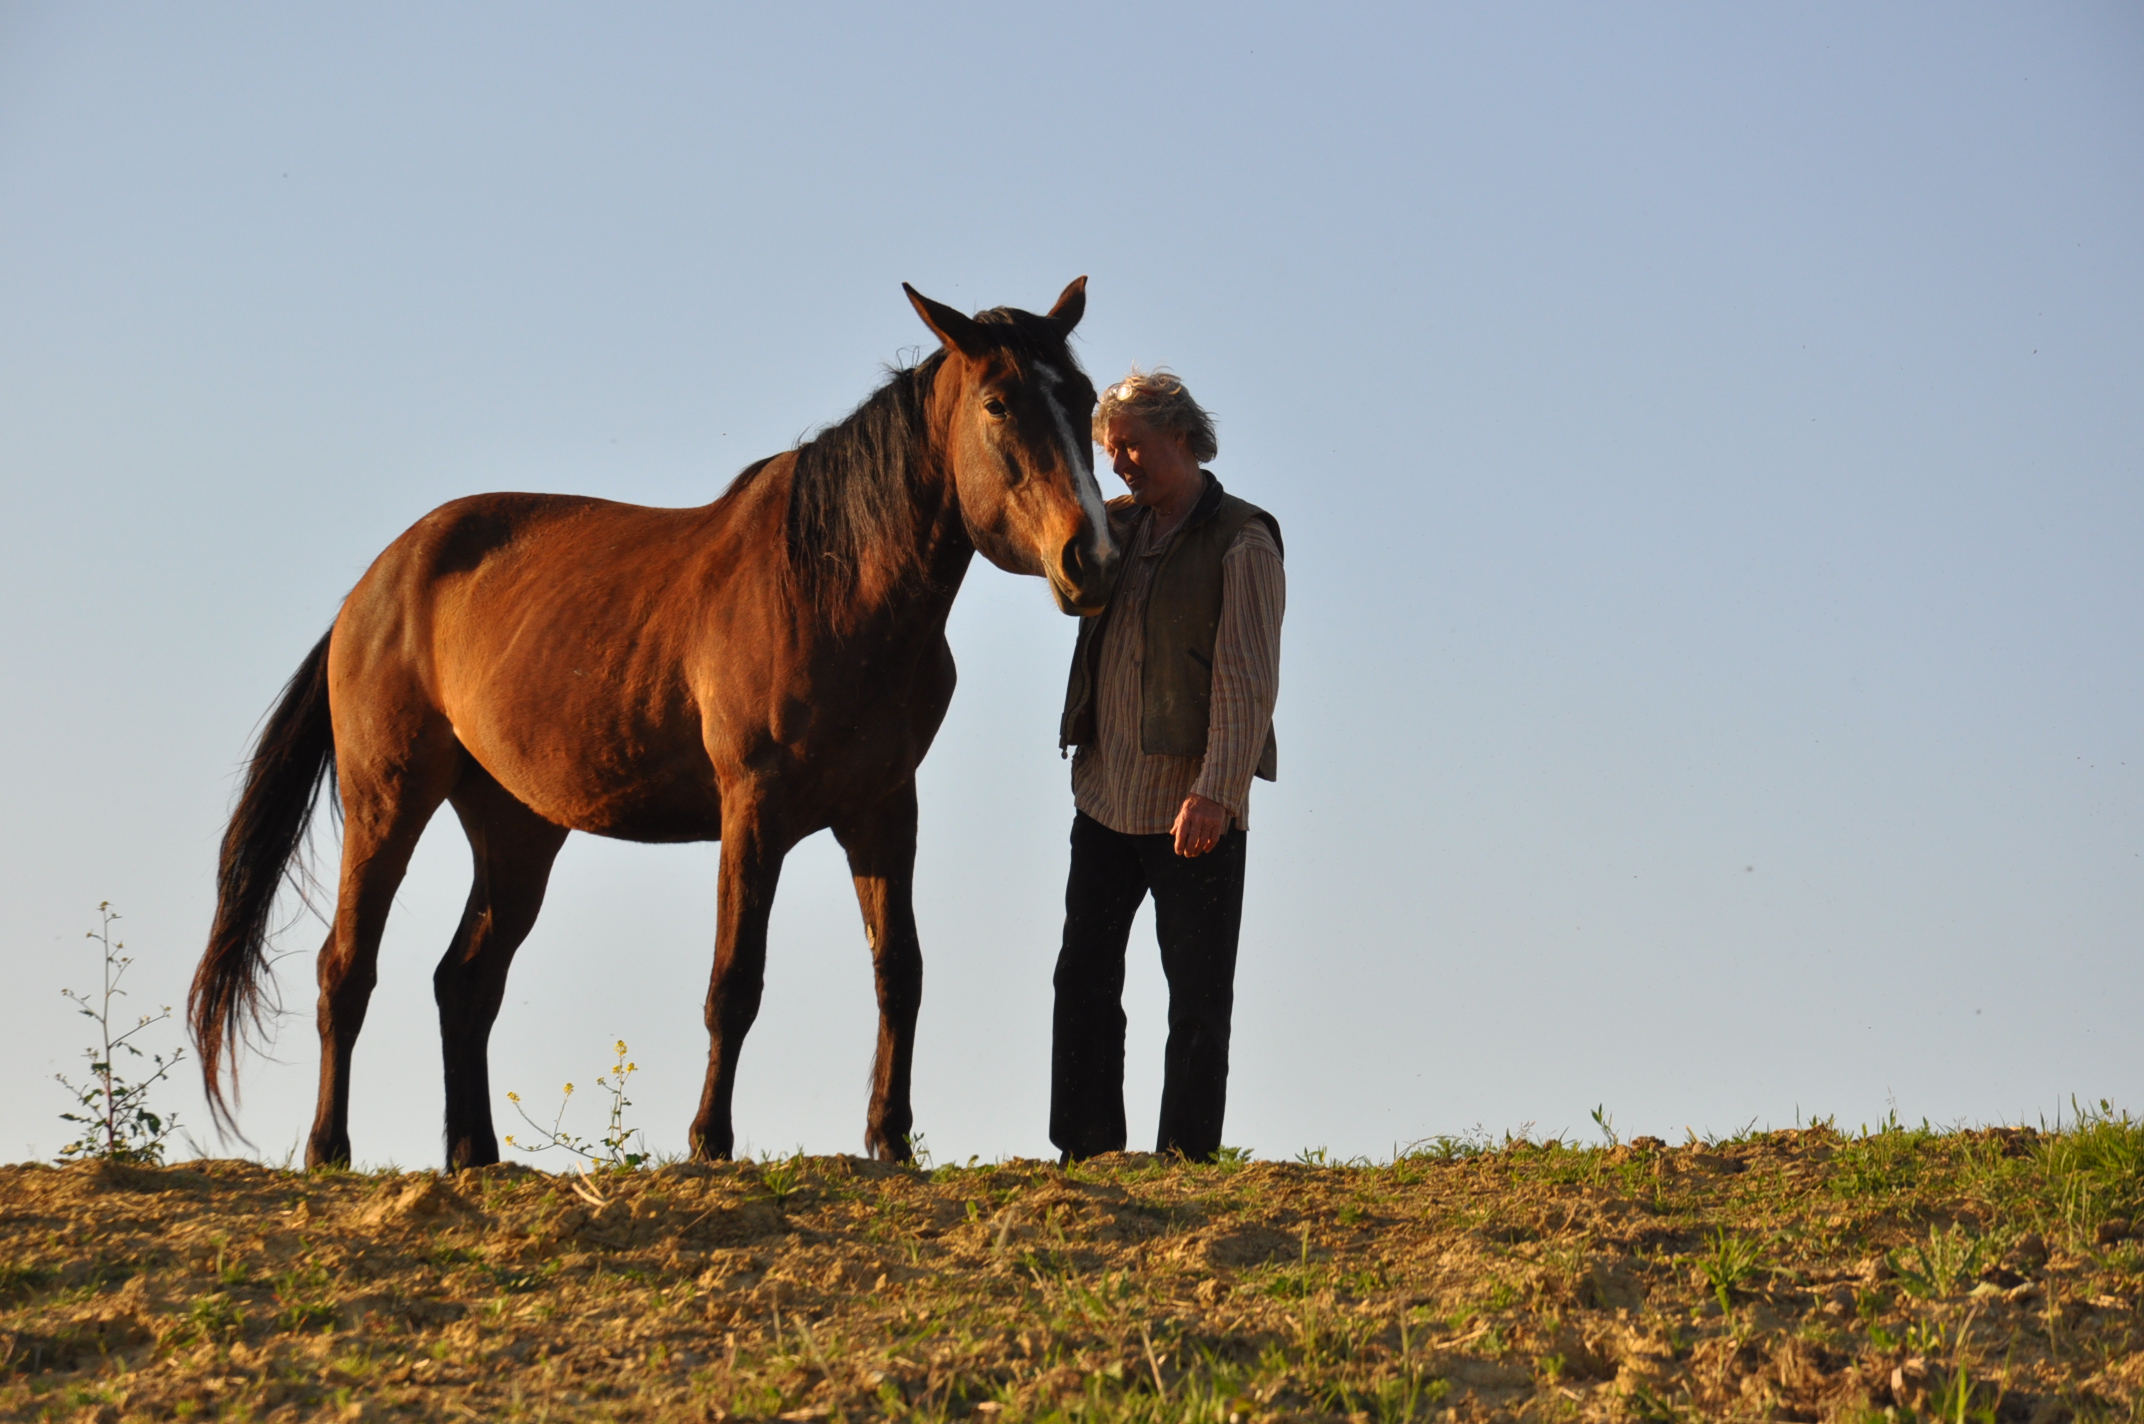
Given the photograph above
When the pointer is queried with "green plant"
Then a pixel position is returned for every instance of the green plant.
(2095, 1169)
(1881, 1163)
(24, 1280)
(1959, 1399)
(1400, 1397)
(609, 1150)
(1947, 1260)
(301, 1300)
(1605, 1121)
(302, 1316)
(231, 1271)
(781, 1178)
(1292, 1283)
(215, 1317)
(116, 1120)
(1731, 1261)
(1927, 1337)
(1449, 1147)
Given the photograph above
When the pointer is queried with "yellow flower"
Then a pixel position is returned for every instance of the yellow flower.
(513, 1098)
(509, 1139)
(569, 1090)
(632, 1067)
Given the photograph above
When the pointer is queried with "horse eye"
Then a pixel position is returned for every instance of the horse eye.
(996, 408)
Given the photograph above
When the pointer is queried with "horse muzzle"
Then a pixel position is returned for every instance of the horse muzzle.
(1084, 577)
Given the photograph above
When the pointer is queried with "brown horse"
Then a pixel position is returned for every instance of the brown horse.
(751, 671)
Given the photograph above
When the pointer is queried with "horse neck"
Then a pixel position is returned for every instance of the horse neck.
(912, 589)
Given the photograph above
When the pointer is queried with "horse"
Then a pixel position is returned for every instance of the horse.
(750, 671)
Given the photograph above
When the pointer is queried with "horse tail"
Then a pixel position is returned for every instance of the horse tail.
(292, 760)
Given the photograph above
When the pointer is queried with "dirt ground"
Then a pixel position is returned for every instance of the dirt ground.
(1789, 1275)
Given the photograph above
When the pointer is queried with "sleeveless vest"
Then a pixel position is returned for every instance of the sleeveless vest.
(1183, 619)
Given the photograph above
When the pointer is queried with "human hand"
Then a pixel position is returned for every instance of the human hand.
(1200, 824)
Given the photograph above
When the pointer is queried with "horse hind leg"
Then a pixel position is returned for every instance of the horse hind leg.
(513, 849)
(386, 805)
(881, 846)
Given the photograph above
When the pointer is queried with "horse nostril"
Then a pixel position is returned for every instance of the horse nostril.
(1070, 561)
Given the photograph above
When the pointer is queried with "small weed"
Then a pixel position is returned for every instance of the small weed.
(1398, 1399)
(608, 1150)
(511, 1281)
(1945, 1263)
(353, 1364)
(306, 1315)
(1448, 1147)
(1369, 1281)
(1881, 1164)
(116, 1120)
(1961, 1400)
(2095, 1170)
(1926, 1337)
(226, 1268)
(215, 1317)
(1292, 1283)
(84, 1396)
(1731, 1261)
(782, 1177)
(301, 1300)
(24, 1280)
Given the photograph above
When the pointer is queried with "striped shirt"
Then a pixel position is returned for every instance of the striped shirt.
(1139, 795)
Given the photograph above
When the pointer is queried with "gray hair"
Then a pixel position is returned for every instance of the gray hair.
(1158, 398)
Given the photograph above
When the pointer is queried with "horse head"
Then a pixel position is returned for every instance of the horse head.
(1011, 408)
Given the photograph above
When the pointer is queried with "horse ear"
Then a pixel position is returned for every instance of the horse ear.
(959, 333)
(1071, 306)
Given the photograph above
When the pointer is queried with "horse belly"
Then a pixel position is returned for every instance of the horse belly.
(558, 659)
(617, 786)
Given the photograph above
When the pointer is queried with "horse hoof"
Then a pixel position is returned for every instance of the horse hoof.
(330, 1157)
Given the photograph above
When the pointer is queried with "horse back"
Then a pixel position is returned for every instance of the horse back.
(557, 639)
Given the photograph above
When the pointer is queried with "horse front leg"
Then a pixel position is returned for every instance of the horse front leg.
(751, 867)
(881, 845)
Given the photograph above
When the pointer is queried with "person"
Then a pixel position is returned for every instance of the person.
(1170, 707)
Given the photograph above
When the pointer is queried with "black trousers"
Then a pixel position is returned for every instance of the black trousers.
(1198, 910)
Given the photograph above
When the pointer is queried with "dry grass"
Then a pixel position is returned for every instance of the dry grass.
(1792, 1275)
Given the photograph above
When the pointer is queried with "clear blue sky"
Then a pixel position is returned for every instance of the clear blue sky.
(1708, 440)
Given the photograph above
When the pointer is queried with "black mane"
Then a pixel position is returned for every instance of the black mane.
(856, 486)
(857, 483)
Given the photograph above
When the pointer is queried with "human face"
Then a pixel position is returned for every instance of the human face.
(1155, 465)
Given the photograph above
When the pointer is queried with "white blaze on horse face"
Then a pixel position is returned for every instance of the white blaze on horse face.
(1079, 457)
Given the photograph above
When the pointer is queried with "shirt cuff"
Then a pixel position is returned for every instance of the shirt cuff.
(1205, 787)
